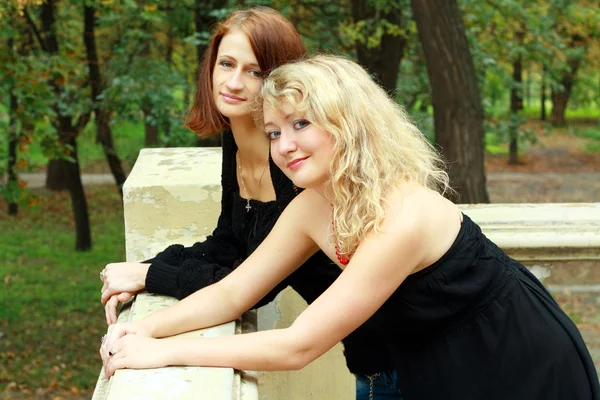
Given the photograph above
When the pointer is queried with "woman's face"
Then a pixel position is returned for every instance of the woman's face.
(236, 75)
(299, 148)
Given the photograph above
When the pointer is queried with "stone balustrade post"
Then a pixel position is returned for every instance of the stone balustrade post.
(174, 196)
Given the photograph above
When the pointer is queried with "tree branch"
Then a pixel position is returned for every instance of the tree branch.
(82, 121)
(35, 30)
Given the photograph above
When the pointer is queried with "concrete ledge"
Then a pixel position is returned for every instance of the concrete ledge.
(541, 233)
(174, 196)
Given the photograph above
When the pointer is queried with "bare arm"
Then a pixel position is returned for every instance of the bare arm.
(286, 247)
(354, 297)
(366, 283)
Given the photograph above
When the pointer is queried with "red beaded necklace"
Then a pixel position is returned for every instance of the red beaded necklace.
(343, 260)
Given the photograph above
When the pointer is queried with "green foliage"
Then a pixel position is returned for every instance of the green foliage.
(50, 299)
(500, 131)
(129, 139)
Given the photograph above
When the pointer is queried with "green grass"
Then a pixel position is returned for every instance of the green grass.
(534, 112)
(51, 318)
(591, 134)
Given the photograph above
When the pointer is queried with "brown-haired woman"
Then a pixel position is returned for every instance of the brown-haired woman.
(243, 49)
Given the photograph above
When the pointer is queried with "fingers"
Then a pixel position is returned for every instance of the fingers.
(123, 297)
(116, 362)
(122, 277)
(110, 310)
(107, 293)
(115, 354)
(115, 332)
(107, 290)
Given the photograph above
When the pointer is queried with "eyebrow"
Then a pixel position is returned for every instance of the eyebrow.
(286, 117)
(233, 58)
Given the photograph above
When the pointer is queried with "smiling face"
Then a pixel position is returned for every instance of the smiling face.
(302, 150)
(236, 76)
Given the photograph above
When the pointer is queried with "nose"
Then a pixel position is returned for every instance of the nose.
(235, 82)
(287, 143)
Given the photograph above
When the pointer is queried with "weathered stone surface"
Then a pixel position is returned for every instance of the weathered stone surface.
(541, 233)
(173, 196)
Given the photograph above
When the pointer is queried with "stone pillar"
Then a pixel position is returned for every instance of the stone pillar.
(174, 196)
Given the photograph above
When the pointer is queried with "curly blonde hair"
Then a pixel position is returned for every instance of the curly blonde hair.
(376, 144)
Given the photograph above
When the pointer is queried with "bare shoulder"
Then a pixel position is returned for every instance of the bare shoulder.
(423, 216)
(306, 203)
(413, 203)
(306, 209)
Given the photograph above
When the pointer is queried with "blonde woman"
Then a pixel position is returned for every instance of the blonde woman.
(460, 319)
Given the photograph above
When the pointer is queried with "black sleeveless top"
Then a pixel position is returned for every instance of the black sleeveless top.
(476, 324)
(179, 271)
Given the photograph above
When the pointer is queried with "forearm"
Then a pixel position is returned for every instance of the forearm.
(210, 306)
(274, 350)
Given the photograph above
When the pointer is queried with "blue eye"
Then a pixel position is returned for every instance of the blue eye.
(272, 135)
(301, 123)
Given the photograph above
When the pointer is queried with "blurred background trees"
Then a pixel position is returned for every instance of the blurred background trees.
(78, 74)
(497, 85)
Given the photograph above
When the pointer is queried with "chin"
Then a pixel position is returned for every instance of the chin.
(305, 184)
(232, 111)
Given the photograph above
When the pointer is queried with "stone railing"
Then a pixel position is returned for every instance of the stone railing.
(173, 196)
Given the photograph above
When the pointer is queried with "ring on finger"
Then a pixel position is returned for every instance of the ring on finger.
(102, 274)
(103, 339)
(111, 352)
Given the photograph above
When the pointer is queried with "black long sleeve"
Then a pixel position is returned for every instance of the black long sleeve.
(179, 271)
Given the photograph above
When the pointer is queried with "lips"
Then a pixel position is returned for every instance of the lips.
(231, 98)
(296, 163)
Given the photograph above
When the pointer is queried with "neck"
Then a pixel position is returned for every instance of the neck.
(253, 146)
(323, 192)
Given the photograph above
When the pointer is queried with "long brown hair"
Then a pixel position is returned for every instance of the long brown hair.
(274, 41)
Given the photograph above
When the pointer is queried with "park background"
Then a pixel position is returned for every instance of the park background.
(86, 84)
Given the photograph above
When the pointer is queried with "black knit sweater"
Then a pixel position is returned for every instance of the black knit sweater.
(179, 271)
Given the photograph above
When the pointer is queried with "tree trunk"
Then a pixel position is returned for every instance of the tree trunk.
(527, 91)
(187, 91)
(516, 104)
(560, 97)
(103, 132)
(384, 61)
(56, 175)
(13, 180)
(105, 138)
(166, 126)
(458, 113)
(62, 171)
(151, 139)
(560, 100)
(543, 90)
(78, 201)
